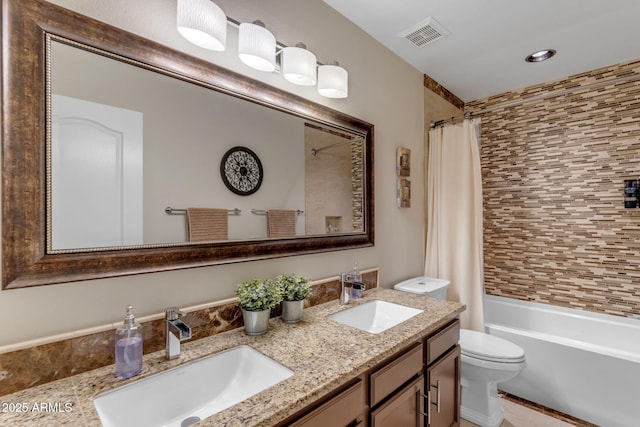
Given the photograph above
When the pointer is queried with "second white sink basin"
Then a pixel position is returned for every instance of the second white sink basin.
(186, 394)
(375, 316)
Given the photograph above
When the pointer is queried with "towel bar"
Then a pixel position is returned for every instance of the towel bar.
(171, 211)
(264, 212)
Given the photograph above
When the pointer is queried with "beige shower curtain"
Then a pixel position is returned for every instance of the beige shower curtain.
(454, 216)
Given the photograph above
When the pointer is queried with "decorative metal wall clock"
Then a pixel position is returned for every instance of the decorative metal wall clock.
(241, 171)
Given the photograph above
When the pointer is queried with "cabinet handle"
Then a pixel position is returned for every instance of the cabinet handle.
(437, 387)
(428, 413)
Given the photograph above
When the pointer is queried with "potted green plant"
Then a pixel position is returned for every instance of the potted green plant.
(256, 299)
(295, 289)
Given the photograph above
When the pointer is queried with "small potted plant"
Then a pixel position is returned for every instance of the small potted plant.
(256, 299)
(295, 289)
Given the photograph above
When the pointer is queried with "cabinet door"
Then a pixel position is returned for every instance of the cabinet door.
(403, 409)
(443, 391)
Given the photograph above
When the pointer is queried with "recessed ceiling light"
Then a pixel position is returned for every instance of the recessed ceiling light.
(541, 55)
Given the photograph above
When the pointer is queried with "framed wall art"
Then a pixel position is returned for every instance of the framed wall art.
(403, 193)
(403, 170)
(403, 162)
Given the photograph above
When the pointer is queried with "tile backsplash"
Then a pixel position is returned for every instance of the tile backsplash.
(40, 364)
(553, 170)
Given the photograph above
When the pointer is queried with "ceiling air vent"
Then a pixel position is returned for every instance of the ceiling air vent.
(425, 32)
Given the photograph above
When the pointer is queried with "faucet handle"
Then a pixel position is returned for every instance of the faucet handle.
(173, 313)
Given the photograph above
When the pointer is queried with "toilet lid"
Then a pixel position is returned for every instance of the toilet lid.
(489, 347)
(421, 285)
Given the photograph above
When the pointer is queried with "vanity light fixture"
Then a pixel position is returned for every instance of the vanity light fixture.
(299, 65)
(333, 81)
(203, 23)
(541, 55)
(257, 46)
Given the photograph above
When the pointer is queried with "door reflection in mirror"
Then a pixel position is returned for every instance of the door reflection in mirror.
(96, 179)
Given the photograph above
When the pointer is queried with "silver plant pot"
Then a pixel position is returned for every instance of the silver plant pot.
(256, 322)
(292, 311)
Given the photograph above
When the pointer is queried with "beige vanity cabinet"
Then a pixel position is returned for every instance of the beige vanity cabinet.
(417, 386)
(442, 377)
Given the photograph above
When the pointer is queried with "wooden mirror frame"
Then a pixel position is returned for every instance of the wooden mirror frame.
(25, 261)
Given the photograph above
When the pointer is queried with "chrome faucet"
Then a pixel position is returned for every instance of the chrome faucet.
(345, 291)
(175, 331)
(345, 288)
(351, 286)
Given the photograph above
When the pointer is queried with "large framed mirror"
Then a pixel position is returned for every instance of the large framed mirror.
(120, 156)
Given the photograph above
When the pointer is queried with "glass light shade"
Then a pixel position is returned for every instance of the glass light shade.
(203, 23)
(299, 66)
(257, 47)
(333, 81)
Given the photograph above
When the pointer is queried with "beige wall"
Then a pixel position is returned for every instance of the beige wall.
(553, 170)
(383, 90)
(437, 108)
(189, 129)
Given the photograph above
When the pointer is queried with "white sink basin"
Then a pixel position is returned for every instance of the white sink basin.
(186, 394)
(375, 316)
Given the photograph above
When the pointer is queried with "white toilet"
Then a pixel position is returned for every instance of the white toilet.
(486, 360)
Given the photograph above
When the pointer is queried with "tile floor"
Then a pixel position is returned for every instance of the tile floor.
(516, 415)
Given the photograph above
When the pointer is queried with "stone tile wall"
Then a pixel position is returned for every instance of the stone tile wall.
(553, 170)
(357, 184)
(443, 92)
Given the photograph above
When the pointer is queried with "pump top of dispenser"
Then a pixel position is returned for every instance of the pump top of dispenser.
(129, 327)
(129, 319)
(355, 274)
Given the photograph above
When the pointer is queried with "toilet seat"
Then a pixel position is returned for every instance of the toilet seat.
(485, 347)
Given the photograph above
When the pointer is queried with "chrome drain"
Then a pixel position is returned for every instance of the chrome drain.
(189, 421)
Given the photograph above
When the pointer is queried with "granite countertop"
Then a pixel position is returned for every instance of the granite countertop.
(322, 353)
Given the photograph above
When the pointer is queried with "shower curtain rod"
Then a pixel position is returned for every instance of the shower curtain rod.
(442, 122)
(469, 114)
(315, 151)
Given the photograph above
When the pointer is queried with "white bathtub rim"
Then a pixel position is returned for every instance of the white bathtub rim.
(602, 330)
(620, 354)
(574, 312)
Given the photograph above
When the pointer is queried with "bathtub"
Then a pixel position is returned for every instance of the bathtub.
(583, 364)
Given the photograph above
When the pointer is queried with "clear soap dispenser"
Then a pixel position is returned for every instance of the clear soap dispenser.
(128, 347)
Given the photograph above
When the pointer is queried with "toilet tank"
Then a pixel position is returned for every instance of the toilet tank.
(425, 286)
